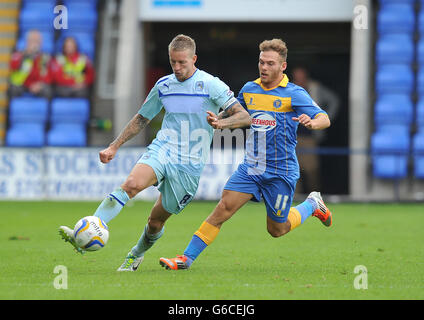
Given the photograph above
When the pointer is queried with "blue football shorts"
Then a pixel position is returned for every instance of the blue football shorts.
(176, 186)
(277, 191)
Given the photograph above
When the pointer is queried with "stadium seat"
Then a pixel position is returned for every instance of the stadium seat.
(28, 110)
(421, 20)
(420, 114)
(420, 52)
(82, 17)
(394, 78)
(388, 2)
(418, 154)
(420, 82)
(395, 48)
(67, 135)
(70, 110)
(390, 154)
(25, 135)
(36, 15)
(396, 18)
(394, 109)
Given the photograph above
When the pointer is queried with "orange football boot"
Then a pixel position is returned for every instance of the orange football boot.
(178, 263)
(321, 211)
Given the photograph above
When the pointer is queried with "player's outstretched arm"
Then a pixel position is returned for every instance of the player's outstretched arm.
(133, 127)
(320, 122)
(233, 117)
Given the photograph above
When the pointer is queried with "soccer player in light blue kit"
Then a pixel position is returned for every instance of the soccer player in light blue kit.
(176, 157)
(270, 169)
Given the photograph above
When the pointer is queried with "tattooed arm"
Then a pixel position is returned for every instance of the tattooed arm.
(233, 117)
(134, 126)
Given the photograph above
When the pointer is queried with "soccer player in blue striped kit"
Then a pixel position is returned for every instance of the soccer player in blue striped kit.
(270, 169)
(176, 157)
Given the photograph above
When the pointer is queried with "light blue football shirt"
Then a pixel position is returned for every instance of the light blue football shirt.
(185, 136)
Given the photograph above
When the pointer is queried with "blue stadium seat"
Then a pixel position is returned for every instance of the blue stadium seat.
(420, 114)
(394, 109)
(420, 52)
(394, 78)
(25, 135)
(70, 110)
(36, 15)
(418, 154)
(390, 154)
(421, 19)
(85, 40)
(89, 3)
(420, 82)
(67, 135)
(388, 2)
(396, 18)
(82, 17)
(28, 110)
(47, 42)
(395, 48)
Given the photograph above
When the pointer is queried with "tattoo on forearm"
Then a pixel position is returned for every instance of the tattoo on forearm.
(136, 124)
(235, 117)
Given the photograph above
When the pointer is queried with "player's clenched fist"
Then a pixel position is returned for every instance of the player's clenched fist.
(212, 119)
(107, 154)
(304, 120)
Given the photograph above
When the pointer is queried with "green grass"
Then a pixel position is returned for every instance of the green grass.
(244, 262)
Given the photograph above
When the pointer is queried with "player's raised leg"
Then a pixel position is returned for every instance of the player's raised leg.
(230, 202)
(141, 177)
(153, 230)
(312, 206)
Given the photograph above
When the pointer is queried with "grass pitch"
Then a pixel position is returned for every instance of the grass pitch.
(244, 262)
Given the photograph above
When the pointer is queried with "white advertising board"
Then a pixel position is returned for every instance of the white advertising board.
(77, 174)
(247, 10)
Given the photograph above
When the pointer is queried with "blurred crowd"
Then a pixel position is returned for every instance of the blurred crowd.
(69, 73)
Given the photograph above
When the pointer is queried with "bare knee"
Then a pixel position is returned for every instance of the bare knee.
(222, 213)
(131, 186)
(277, 231)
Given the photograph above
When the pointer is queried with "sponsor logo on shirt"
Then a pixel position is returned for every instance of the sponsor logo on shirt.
(262, 121)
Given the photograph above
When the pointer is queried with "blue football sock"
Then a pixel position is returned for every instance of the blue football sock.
(194, 248)
(146, 241)
(306, 208)
(110, 207)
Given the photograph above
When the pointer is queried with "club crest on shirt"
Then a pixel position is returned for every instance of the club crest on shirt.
(198, 86)
(277, 103)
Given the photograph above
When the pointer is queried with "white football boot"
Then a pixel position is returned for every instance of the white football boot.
(131, 263)
(68, 235)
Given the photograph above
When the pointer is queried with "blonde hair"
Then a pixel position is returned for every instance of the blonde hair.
(182, 42)
(276, 45)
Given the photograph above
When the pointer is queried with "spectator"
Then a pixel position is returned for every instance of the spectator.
(30, 69)
(310, 139)
(73, 71)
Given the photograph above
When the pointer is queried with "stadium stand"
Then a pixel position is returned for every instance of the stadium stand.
(398, 56)
(418, 152)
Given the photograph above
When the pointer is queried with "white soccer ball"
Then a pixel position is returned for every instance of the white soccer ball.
(91, 233)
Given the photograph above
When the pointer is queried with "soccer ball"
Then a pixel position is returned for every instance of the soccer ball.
(91, 233)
